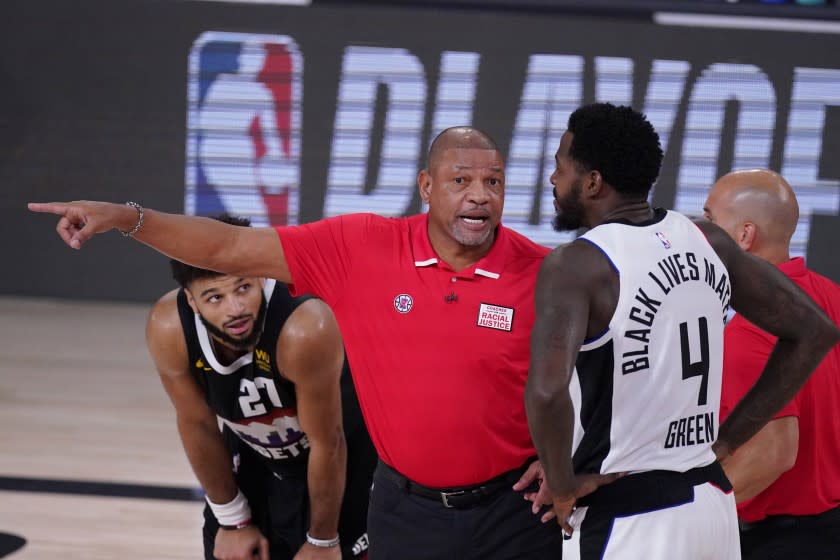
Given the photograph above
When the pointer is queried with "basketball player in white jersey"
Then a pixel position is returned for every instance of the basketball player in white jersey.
(626, 354)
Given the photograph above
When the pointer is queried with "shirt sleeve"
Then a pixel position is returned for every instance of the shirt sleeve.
(745, 352)
(320, 255)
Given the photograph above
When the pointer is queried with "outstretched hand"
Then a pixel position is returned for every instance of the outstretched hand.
(81, 220)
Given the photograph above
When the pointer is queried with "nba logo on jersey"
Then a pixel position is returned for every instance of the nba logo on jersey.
(244, 123)
(663, 240)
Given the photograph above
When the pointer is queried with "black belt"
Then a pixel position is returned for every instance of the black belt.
(650, 490)
(824, 520)
(463, 497)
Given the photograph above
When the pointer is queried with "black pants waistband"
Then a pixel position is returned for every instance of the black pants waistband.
(824, 520)
(462, 497)
(651, 490)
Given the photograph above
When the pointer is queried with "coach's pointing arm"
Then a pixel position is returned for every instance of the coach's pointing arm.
(201, 242)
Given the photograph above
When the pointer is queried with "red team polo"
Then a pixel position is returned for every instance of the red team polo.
(439, 358)
(813, 484)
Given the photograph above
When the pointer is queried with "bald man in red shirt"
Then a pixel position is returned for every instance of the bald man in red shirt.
(436, 312)
(787, 477)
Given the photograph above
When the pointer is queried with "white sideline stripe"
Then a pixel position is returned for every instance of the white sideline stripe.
(747, 22)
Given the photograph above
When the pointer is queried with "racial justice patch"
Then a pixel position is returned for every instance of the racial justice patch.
(495, 317)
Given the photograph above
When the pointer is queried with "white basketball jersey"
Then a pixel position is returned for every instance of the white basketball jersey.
(647, 391)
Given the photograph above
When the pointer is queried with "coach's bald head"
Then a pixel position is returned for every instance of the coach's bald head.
(459, 137)
(758, 209)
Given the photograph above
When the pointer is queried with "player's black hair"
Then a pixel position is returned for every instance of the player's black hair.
(185, 274)
(618, 142)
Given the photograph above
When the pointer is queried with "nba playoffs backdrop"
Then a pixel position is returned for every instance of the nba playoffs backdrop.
(287, 114)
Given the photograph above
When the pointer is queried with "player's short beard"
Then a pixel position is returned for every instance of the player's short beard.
(239, 344)
(572, 213)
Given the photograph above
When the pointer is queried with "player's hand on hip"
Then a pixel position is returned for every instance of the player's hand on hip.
(81, 220)
(310, 552)
(584, 484)
(563, 508)
(247, 543)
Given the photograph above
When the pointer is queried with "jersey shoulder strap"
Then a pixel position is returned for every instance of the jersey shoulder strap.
(187, 316)
(280, 306)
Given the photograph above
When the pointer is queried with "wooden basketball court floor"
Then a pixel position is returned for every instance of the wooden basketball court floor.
(91, 466)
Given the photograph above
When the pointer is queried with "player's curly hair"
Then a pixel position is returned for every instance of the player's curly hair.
(185, 274)
(618, 142)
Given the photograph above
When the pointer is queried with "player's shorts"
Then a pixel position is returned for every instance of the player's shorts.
(279, 506)
(361, 462)
(352, 523)
(658, 515)
(280, 503)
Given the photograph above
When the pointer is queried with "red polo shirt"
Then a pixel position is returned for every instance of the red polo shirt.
(439, 358)
(813, 484)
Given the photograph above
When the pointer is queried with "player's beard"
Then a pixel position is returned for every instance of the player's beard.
(571, 213)
(239, 344)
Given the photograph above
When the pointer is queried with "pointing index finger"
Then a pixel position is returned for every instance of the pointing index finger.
(49, 207)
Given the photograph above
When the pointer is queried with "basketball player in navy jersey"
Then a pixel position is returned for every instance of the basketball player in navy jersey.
(241, 354)
(626, 354)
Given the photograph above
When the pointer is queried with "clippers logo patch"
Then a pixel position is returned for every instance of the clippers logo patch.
(403, 303)
(663, 239)
(495, 317)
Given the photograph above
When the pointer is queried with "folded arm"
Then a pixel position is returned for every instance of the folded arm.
(772, 302)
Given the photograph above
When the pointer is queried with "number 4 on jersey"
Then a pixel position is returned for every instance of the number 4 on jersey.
(700, 368)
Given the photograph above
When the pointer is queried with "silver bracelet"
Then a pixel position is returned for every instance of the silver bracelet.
(138, 225)
(322, 543)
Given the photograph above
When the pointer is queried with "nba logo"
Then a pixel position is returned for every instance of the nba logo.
(244, 127)
(663, 240)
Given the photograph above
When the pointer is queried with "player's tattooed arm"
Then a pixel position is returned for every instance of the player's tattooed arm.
(575, 290)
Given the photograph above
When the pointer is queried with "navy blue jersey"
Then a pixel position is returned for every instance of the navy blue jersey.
(251, 398)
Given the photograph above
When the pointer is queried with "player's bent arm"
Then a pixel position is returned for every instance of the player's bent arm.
(764, 458)
(771, 301)
(201, 242)
(562, 303)
(197, 425)
(311, 354)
